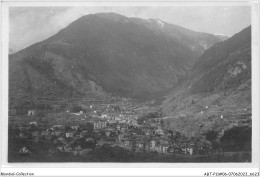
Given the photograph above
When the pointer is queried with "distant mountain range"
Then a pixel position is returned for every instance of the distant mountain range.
(108, 53)
(222, 36)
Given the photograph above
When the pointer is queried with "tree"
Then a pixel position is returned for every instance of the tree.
(75, 109)
(211, 135)
(176, 136)
(89, 126)
(67, 128)
(237, 139)
(145, 117)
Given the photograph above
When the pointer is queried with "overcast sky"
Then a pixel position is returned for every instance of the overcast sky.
(29, 25)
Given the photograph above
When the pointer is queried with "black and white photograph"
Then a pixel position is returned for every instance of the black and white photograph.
(130, 84)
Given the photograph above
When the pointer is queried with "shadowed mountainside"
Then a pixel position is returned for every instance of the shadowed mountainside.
(106, 53)
(217, 92)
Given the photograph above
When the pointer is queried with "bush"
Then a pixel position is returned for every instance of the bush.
(75, 109)
(147, 116)
(211, 135)
(237, 139)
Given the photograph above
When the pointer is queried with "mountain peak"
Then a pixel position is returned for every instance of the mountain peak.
(123, 56)
(157, 21)
(222, 36)
(111, 16)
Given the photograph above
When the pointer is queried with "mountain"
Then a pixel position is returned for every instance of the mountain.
(217, 92)
(222, 36)
(198, 42)
(106, 53)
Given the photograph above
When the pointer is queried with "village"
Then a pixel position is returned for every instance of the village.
(111, 126)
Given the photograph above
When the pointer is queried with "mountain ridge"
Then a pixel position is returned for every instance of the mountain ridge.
(217, 92)
(122, 56)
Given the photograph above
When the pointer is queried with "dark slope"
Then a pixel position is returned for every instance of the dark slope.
(226, 65)
(106, 52)
(217, 93)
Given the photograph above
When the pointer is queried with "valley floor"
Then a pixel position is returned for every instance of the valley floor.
(112, 133)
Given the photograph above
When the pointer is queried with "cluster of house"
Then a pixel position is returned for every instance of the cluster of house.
(113, 129)
(152, 139)
(113, 118)
(80, 140)
(71, 139)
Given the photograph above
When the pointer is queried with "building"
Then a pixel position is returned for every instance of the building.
(99, 125)
(107, 133)
(171, 149)
(48, 137)
(67, 148)
(104, 116)
(31, 112)
(134, 122)
(35, 134)
(105, 142)
(118, 119)
(152, 144)
(122, 121)
(60, 148)
(190, 150)
(24, 151)
(159, 131)
(77, 149)
(127, 142)
(158, 148)
(55, 107)
(23, 135)
(75, 127)
(45, 133)
(120, 137)
(78, 113)
(60, 127)
(61, 138)
(123, 128)
(147, 133)
(33, 123)
(118, 127)
(69, 135)
(90, 139)
(57, 132)
(164, 148)
(140, 145)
